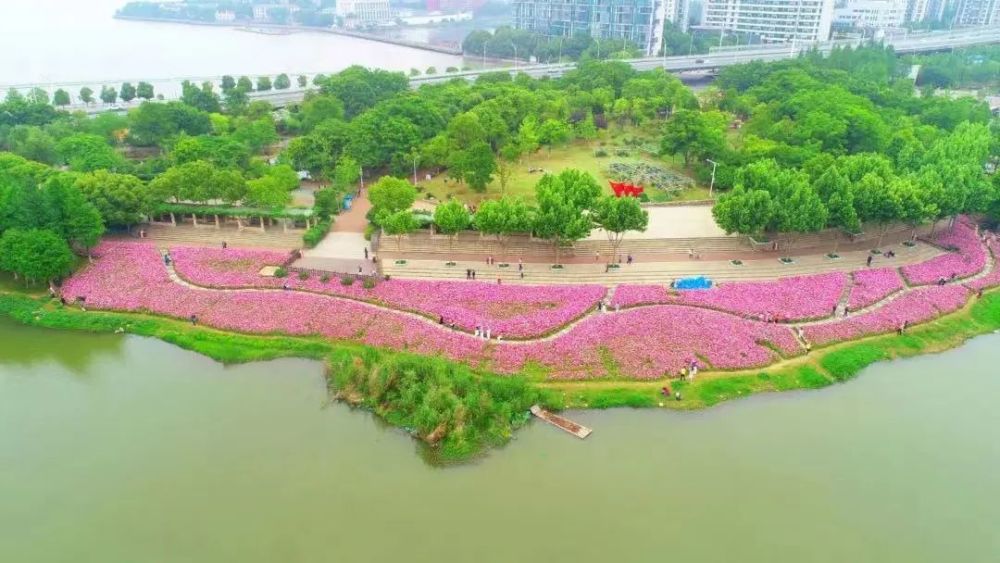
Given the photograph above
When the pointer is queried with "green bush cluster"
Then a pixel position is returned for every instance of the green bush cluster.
(445, 404)
(315, 234)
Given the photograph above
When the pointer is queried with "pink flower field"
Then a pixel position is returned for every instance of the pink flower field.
(786, 299)
(512, 311)
(652, 342)
(632, 295)
(131, 277)
(970, 259)
(991, 279)
(872, 286)
(641, 342)
(917, 306)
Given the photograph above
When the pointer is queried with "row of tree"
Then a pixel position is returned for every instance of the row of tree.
(569, 205)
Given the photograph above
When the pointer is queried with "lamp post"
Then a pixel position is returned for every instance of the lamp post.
(484, 54)
(514, 45)
(416, 156)
(559, 60)
(711, 186)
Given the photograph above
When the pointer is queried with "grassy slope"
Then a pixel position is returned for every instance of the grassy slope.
(579, 155)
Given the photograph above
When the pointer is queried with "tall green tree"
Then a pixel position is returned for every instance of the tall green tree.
(35, 255)
(502, 218)
(398, 224)
(108, 94)
(145, 91)
(617, 216)
(127, 92)
(86, 95)
(122, 200)
(390, 195)
(692, 133)
(61, 98)
(451, 218)
(563, 203)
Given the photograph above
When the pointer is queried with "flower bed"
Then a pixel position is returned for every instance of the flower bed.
(917, 306)
(968, 260)
(872, 286)
(631, 295)
(652, 342)
(991, 279)
(786, 299)
(131, 277)
(514, 311)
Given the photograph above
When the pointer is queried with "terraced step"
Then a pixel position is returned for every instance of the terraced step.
(164, 236)
(651, 272)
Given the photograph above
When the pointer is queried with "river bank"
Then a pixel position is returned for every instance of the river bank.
(305, 29)
(821, 368)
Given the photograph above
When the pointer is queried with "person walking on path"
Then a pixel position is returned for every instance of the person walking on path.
(597, 256)
(473, 274)
(366, 253)
(224, 245)
(468, 273)
(869, 260)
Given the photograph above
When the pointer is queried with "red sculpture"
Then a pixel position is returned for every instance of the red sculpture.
(623, 189)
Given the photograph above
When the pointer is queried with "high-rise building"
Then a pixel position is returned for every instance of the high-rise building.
(978, 12)
(363, 13)
(771, 20)
(637, 21)
(871, 14)
(925, 10)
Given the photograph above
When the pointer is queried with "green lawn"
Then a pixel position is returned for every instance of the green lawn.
(579, 155)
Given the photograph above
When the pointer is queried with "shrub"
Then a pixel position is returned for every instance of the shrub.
(315, 234)
(368, 283)
(324, 278)
(600, 153)
(347, 280)
(303, 275)
(281, 273)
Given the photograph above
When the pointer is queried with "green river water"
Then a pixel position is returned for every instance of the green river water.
(125, 449)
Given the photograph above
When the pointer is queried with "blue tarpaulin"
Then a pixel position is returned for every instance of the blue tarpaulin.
(693, 282)
(348, 200)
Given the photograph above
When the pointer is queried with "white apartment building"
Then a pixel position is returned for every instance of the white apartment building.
(925, 10)
(771, 20)
(978, 12)
(871, 14)
(638, 21)
(362, 13)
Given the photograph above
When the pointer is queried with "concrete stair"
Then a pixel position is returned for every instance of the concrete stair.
(655, 272)
(165, 236)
